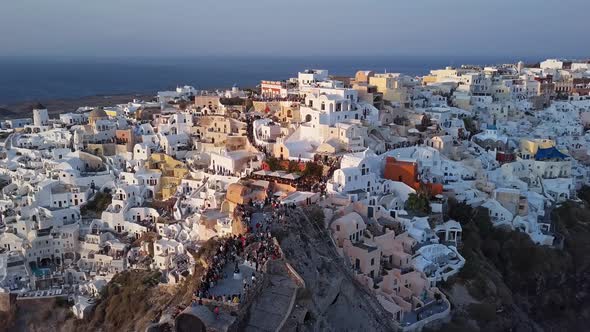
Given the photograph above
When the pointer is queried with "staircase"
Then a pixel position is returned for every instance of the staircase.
(272, 307)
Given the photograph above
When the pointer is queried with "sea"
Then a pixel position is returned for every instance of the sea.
(46, 78)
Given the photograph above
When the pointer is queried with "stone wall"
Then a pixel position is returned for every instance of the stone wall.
(7, 302)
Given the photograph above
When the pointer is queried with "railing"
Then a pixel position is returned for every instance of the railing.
(420, 324)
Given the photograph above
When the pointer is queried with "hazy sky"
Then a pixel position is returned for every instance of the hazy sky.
(294, 27)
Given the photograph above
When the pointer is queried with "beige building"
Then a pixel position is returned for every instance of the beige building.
(217, 129)
(369, 94)
(512, 200)
(363, 76)
(392, 87)
(209, 102)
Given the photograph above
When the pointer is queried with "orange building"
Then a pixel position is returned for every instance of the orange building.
(125, 137)
(407, 172)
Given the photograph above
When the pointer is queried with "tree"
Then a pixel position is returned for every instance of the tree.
(584, 194)
(273, 163)
(470, 125)
(459, 211)
(293, 166)
(419, 203)
(313, 169)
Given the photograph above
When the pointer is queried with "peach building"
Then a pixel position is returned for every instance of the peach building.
(384, 264)
(363, 76)
(365, 258)
(404, 292)
(393, 250)
(348, 227)
(125, 137)
(241, 193)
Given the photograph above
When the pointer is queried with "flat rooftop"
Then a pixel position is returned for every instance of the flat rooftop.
(365, 246)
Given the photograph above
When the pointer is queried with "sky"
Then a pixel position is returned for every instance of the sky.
(156, 28)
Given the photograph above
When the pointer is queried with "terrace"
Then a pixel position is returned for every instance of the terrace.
(430, 309)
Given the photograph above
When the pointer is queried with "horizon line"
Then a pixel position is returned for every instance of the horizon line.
(247, 55)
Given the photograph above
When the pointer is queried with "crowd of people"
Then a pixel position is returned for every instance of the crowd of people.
(229, 251)
(255, 249)
(263, 249)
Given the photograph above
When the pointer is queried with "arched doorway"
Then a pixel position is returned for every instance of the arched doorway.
(189, 323)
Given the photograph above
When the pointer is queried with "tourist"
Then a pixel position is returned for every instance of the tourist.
(216, 311)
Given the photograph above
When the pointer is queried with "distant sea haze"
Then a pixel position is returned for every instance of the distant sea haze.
(36, 78)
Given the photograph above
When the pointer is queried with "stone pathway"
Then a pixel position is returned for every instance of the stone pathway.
(259, 217)
(229, 285)
(273, 305)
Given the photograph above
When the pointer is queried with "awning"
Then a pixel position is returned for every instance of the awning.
(278, 174)
(291, 176)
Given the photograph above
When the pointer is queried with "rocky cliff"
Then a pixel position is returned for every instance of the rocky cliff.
(509, 283)
(331, 300)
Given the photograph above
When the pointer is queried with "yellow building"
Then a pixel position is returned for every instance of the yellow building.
(385, 83)
(289, 113)
(530, 146)
(173, 171)
(217, 129)
(391, 88)
(428, 79)
(112, 112)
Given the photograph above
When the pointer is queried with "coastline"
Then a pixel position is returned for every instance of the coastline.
(63, 105)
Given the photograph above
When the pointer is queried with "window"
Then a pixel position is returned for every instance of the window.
(372, 261)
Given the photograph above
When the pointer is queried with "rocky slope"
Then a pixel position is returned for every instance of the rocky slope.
(509, 283)
(332, 299)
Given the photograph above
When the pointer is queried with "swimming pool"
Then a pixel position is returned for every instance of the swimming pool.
(40, 272)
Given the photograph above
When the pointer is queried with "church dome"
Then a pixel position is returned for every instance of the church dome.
(97, 114)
